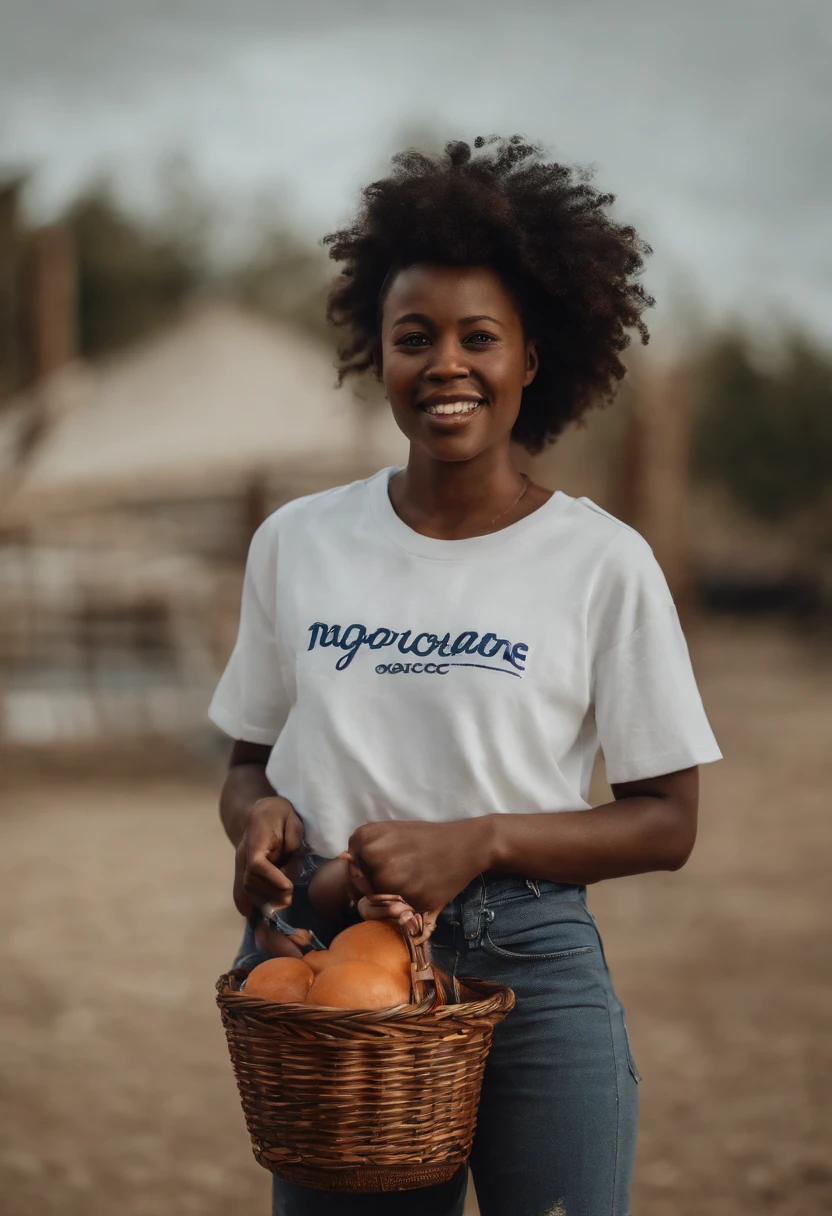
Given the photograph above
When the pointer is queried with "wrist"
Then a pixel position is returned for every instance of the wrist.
(496, 845)
(486, 844)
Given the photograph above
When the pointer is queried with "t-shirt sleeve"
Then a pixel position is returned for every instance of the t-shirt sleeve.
(648, 710)
(250, 701)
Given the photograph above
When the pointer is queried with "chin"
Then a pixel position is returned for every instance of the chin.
(450, 450)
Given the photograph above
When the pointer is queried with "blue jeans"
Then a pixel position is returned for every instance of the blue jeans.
(558, 1115)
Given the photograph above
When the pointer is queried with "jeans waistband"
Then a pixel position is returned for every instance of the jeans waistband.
(488, 887)
(470, 909)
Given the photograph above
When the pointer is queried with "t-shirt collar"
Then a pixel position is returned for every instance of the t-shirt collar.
(414, 542)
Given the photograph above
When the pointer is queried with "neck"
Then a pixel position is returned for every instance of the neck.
(450, 496)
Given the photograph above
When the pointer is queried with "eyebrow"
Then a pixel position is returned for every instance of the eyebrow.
(424, 320)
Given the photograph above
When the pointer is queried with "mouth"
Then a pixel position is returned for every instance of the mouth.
(453, 412)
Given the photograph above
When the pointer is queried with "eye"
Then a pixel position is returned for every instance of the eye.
(412, 339)
(481, 338)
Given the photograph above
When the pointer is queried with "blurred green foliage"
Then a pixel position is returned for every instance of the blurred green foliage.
(131, 279)
(285, 279)
(764, 426)
(134, 274)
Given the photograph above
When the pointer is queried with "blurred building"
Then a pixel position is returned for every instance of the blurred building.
(128, 494)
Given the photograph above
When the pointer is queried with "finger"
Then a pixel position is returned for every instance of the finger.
(293, 837)
(359, 881)
(384, 907)
(369, 910)
(242, 902)
(263, 881)
(361, 846)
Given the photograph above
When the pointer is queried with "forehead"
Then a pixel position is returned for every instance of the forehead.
(448, 292)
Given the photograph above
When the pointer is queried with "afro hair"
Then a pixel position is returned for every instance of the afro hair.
(543, 226)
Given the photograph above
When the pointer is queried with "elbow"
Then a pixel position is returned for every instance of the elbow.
(679, 848)
(679, 835)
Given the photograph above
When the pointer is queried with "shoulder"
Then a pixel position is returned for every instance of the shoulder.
(613, 544)
(337, 505)
(627, 583)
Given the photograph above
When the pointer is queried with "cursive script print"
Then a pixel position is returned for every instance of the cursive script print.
(351, 638)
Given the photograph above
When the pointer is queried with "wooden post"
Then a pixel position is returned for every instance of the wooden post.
(53, 302)
(653, 490)
(11, 326)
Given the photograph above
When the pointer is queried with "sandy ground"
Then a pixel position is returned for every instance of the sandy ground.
(116, 1095)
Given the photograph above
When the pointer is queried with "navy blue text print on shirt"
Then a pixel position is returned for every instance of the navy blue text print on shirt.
(467, 649)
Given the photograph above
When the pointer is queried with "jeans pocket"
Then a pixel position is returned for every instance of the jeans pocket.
(538, 929)
(532, 955)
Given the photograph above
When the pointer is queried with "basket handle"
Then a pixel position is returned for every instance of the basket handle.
(416, 928)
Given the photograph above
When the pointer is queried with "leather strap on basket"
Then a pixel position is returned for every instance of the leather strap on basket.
(416, 928)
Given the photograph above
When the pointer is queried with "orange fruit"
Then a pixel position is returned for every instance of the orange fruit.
(283, 980)
(374, 941)
(316, 960)
(356, 984)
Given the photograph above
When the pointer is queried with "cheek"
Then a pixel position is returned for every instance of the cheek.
(506, 375)
(398, 376)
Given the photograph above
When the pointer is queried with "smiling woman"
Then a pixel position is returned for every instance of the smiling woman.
(492, 294)
(547, 236)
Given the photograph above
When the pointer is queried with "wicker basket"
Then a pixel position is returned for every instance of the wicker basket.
(379, 1100)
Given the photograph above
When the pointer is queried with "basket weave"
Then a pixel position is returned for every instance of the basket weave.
(363, 1101)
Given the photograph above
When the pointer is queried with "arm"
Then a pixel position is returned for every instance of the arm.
(651, 825)
(265, 828)
(245, 784)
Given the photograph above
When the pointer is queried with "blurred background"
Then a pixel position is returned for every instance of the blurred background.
(166, 380)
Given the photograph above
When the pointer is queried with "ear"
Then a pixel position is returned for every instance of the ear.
(532, 363)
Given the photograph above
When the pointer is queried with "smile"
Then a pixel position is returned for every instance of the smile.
(453, 407)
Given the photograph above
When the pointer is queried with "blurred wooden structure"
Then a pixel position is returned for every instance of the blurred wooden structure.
(11, 322)
(128, 496)
(633, 460)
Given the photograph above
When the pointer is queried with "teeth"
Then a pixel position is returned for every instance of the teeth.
(454, 407)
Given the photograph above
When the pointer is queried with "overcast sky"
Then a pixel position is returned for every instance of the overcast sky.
(710, 119)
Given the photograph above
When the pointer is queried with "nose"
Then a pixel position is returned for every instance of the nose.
(447, 362)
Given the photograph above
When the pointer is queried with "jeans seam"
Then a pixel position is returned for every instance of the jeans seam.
(617, 1107)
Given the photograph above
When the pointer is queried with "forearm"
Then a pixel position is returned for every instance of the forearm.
(631, 836)
(244, 784)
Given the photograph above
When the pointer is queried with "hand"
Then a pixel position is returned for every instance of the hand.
(273, 835)
(427, 864)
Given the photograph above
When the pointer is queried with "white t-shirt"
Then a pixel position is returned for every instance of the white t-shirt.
(402, 677)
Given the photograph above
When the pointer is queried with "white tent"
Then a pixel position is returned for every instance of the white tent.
(220, 397)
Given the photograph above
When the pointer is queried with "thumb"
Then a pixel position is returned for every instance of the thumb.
(358, 882)
(293, 834)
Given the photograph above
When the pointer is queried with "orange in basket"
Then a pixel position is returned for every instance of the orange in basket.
(374, 941)
(284, 980)
(356, 984)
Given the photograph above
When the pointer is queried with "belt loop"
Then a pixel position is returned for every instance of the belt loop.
(472, 912)
(533, 885)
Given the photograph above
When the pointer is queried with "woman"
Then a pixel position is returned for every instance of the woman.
(428, 659)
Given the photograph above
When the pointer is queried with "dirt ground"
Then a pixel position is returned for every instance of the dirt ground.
(116, 1095)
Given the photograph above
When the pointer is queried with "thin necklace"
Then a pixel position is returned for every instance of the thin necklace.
(526, 482)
